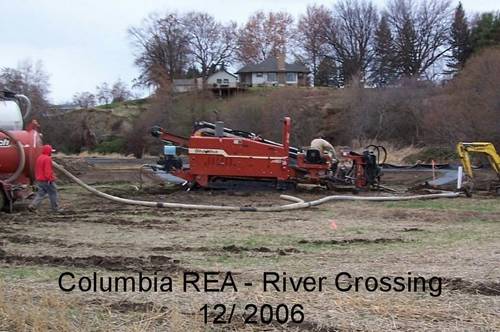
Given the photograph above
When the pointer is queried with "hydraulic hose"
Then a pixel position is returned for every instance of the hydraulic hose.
(297, 202)
(27, 101)
(22, 156)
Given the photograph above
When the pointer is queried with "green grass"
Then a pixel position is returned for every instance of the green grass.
(462, 235)
(137, 102)
(484, 205)
(452, 235)
(34, 273)
(129, 109)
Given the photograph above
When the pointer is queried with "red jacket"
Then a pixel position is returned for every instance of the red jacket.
(43, 167)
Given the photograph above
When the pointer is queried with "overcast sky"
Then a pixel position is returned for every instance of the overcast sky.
(83, 43)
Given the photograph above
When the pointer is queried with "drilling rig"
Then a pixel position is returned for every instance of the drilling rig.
(220, 157)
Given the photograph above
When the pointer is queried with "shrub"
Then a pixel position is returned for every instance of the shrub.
(439, 154)
(469, 107)
(111, 145)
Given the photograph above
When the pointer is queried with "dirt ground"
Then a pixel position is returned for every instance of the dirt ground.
(455, 239)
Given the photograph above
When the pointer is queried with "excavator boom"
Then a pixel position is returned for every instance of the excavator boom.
(464, 149)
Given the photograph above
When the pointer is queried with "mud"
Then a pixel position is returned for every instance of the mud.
(353, 241)
(127, 306)
(148, 223)
(26, 239)
(412, 229)
(231, 249)
(110, 263)
(6, 230)
(237, 249)
(479, 288)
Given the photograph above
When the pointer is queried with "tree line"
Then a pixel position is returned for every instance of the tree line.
(104, 95)
(353, 41)
(353, 44)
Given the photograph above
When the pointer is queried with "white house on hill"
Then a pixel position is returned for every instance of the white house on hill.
(222, 79)
(273, 71)
(219, 80)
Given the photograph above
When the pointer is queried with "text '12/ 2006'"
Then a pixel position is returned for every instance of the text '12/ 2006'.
(253, 313)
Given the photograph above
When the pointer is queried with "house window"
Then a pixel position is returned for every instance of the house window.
(271, 77)
(226, 81)
(219, 80)
(291, 77)
(260, 74)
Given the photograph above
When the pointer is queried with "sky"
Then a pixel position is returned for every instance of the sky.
(83, 43)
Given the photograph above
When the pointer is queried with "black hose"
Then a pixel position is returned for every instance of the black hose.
(381, 151)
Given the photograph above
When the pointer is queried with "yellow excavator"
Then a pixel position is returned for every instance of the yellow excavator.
(465, 149)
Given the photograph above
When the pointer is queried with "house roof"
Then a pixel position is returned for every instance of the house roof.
(225, 71)
(271, 65)
(192, 81)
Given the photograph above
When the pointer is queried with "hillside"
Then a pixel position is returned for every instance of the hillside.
(258, 110)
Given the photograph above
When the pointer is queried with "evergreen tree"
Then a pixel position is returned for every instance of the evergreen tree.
(327, 73)
(383, 70)
(421, 31)
(460, 41)
(408, 63)
(192, 72)
(486, 31)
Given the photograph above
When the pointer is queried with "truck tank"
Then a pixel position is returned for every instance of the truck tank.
(19, 148)
(11, 117)
(10, 155)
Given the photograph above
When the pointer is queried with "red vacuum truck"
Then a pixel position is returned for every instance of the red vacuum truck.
(20, 146)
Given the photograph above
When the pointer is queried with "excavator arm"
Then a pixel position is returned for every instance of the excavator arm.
(167, 137)
(464, 150)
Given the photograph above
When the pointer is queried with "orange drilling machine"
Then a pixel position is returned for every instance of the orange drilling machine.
(219, 157)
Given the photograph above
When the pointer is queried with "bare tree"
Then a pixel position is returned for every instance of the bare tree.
(103, 94)
(162, 49)
(211, 43)
(309, 37)
(350, 36)
(29, 79)
(120, 92)
(264, 35)
(84, 99)
(421, 33)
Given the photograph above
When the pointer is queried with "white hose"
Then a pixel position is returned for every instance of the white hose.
(298, 203)
(27, 101)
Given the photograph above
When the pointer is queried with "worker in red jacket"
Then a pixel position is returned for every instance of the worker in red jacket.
(45, 181)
